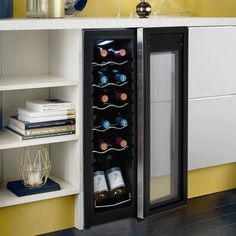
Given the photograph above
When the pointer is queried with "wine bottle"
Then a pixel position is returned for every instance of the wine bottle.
(120, 142)
(105, 124)
(118, 190)
(117, 53)
(102, 78)
(121, 96)
(103, 98)
(121, 121)
(100, 185)
(119, 77)
(102, 52)
(102, 145)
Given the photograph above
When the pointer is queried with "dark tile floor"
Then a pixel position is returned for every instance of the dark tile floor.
(212, 215)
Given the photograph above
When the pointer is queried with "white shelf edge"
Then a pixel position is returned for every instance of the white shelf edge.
(18, 82)
(7, 198)
(9, 141)
(113, 22)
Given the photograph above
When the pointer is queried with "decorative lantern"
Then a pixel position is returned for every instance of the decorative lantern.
(143, 9)
(35, 166)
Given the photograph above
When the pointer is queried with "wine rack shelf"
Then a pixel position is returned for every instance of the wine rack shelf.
(109, 84)
(111, 149)
(113, 205)
(110, 63)
(110, 105)
(98, 129)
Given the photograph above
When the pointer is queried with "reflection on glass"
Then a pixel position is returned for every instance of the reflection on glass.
(164, 157)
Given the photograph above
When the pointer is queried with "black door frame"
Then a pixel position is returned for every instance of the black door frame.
(163, 40)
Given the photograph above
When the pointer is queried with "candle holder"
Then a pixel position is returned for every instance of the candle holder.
(35, 166)
(143, 9)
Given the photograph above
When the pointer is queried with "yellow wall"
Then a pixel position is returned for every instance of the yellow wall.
(211, 180)
(109, 7)
(225, 8)
(55, 214)
(37, 218)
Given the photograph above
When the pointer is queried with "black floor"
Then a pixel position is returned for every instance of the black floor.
(212, 215)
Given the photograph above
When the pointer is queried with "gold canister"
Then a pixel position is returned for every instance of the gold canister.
(37, 8)
(56, 8)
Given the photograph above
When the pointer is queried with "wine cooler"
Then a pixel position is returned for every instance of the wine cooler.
(135, 120)
(110, 125)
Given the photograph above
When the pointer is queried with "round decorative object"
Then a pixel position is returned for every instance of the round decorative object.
(80, 4)
(143, 9)
(35, 166)
(71, 6)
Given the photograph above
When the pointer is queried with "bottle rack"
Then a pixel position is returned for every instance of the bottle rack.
(109, 109)
(113, 205)
(112, 68)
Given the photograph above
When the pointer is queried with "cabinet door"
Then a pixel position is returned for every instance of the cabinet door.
(212, 132)
(162, 120)
(212, 53)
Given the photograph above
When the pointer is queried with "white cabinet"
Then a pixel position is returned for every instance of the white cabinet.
(212, 132)
(212, 56)
(212, 85)
(42, 64)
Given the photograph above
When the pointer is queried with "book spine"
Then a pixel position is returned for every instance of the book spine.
(49, 107)
(53, 109)
(50, 130)
(38, 114)
(45, 119)
(49, 124)
(47, 135)
(17, 123)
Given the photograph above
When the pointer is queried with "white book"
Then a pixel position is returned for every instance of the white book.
(43, 119)
(51, 104)
(33, 113)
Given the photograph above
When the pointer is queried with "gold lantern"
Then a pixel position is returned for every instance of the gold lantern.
(35, 166)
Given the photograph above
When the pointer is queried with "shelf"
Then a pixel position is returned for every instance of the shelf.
(109, 84)
(98, 129)
(8, 140)
(111, 149)
(8, 83)
(109, 105)
(110, 63)
(7, 198)
(112, 22)
(115, 204)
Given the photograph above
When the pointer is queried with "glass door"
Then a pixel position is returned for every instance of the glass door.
(164, 158)
(164, 86)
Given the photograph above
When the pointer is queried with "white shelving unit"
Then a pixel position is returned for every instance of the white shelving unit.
(8, 198)
(34, 81)
(41, 64)
(8, 140)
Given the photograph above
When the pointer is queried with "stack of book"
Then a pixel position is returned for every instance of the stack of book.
(43, 118)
